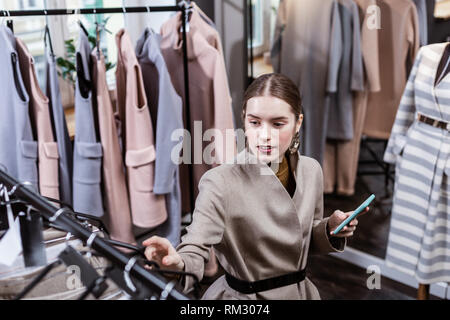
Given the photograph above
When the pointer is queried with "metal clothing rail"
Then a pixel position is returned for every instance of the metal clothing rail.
(183, 7)
(52, 12)
(62, 216)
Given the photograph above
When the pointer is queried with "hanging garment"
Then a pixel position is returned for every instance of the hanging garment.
(341, 157)
(248, 216)
(305, 32)
(87, 162)
(165, 106)
(147, 208)
(210, 101)
(18, 149)
(41, 123)
(59, 128)
(419, 243)
(398, 45)
(117, 207)
(350, 72)
(421, 6)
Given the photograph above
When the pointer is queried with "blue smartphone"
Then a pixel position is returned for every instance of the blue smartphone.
(360, 209)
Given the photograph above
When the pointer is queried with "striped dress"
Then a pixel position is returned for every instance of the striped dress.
(419, 238)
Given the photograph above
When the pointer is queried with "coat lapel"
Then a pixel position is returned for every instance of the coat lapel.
(258, 168)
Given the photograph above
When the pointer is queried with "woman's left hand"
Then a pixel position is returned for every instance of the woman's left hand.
(336, 219)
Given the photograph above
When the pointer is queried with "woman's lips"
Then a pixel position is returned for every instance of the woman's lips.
(265, 149)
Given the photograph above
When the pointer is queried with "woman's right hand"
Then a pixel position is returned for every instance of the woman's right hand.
(162, 252)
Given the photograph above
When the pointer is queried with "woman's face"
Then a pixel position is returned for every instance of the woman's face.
(270, 125)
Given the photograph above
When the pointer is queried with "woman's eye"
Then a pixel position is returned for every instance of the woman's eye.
(278, 124)
(253, 122)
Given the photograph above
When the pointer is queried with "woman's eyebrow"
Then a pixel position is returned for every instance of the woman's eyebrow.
(276, 118)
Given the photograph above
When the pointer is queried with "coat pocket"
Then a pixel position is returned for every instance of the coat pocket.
(87, 172)
(88, 168)
(140, 168)
(148, 210)
(28, 162)
(48, 170)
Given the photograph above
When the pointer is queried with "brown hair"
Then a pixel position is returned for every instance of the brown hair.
(275, 85)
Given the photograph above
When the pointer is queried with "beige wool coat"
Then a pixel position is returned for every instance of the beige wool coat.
(42, 125)
(257, 230)
(398, 44)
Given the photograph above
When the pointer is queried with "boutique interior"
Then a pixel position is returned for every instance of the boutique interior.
(355, 62)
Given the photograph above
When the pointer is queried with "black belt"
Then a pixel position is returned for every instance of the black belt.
(434, 122)
(248, 287)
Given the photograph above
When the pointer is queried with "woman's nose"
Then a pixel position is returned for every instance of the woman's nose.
(266, 133)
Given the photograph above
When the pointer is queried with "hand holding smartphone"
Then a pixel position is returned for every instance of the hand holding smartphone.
(360, 209)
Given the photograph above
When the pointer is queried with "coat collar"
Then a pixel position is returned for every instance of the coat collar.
(196, 43)
(251, 163)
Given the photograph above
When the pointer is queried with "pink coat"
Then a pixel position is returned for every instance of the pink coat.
(42, 126)
(147, 209)
(210, 100)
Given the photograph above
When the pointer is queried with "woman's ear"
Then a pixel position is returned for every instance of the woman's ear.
(299, 122)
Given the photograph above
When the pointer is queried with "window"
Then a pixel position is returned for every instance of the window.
(258, 25)
(31, 31)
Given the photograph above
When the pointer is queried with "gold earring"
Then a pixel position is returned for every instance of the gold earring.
(295, 143)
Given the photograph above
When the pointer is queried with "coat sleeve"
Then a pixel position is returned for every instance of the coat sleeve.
(357, 63)
(225, 148)
(280, 24)
(321, 243)
(370, 17)
(207, 227)
(413, 36)
(335, 53)
(404, 118)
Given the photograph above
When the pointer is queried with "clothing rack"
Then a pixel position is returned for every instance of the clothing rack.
(63, 218)
(385, 167)
(184, 7)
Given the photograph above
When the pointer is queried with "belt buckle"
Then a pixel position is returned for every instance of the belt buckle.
(448, 126)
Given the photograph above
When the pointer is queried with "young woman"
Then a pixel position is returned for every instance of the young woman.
(262, 223)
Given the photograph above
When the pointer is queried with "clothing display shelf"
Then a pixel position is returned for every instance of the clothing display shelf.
(62, 217)
(184, 6)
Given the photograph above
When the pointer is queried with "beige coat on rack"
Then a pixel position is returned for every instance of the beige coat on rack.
(398, 45)
(41, 122)
(147, 209)
(118, 217)
(257, 230)
(210, 100)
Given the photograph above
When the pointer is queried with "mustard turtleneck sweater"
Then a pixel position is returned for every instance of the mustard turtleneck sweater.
(286, 176)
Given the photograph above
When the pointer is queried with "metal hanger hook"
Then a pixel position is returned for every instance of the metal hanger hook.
(126, 273)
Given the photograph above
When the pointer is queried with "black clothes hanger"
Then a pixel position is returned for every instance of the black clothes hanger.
(10, 25)
(48, 39)
(83, 27)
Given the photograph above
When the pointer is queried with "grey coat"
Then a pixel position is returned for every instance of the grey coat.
(59, 129)
(18, 149)
(348, 75)
(167, 108)
(87, 163)
(257, 230)
(305, 31)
